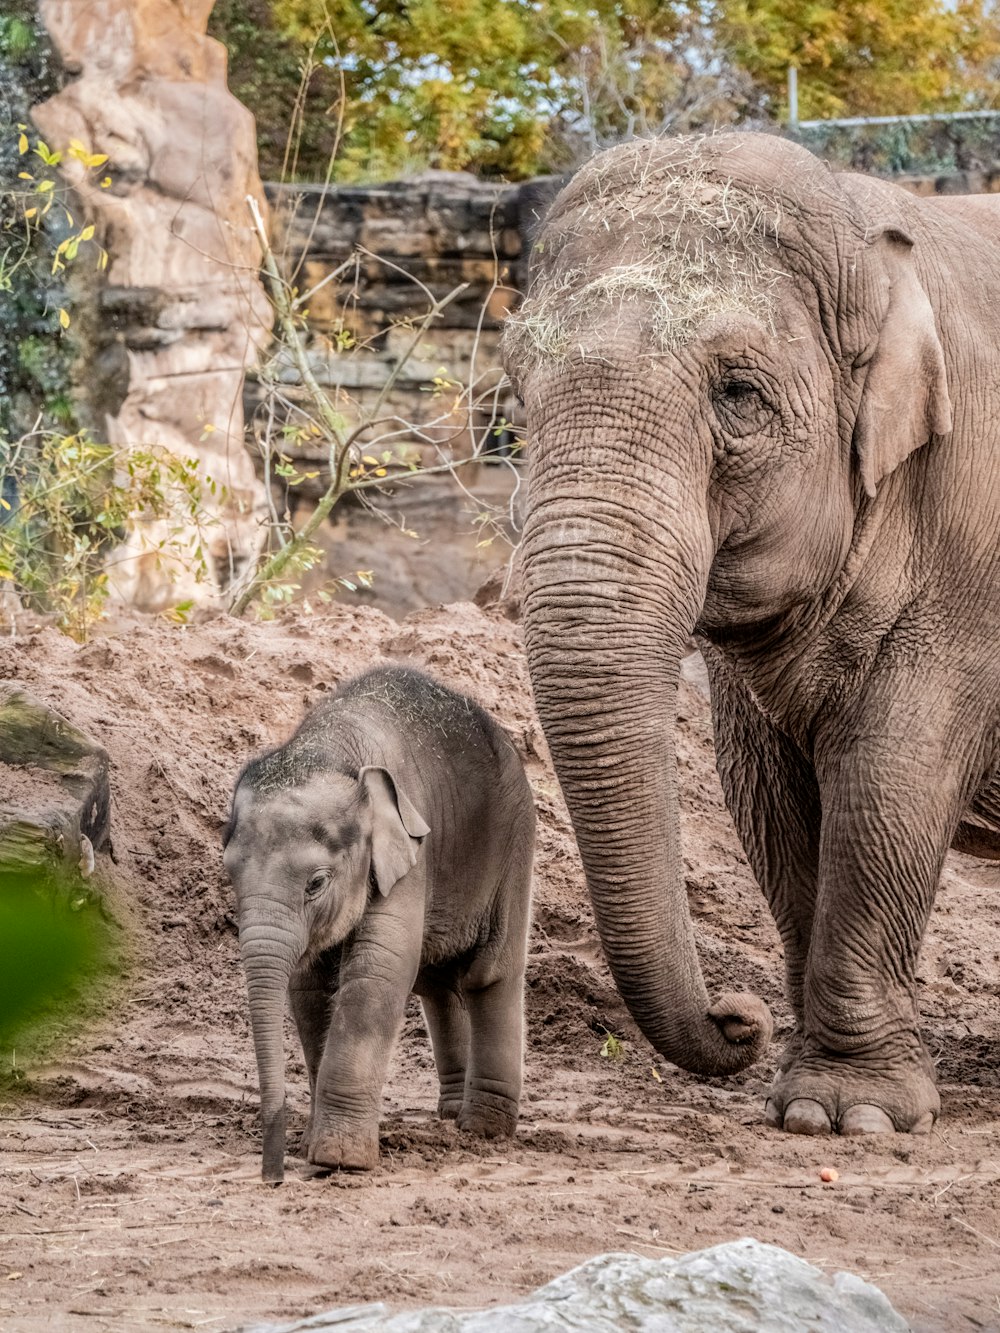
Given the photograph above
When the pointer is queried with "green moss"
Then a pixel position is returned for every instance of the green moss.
(18, 39)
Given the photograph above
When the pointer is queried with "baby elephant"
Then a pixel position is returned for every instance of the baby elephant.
(385, 848)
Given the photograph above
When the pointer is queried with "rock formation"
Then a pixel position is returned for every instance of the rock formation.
(183, 312)
(55, 797)
(729, 1288)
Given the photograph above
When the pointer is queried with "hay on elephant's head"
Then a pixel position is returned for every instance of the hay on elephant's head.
(694, 245)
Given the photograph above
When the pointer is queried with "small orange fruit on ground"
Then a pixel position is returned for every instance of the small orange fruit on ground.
(829, 1174)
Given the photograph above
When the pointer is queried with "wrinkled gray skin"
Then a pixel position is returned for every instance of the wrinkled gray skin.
(386, 848)
(802, 469)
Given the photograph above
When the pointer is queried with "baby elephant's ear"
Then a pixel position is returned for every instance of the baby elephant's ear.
(397, 831)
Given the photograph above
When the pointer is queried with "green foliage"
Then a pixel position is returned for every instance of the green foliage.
(35, 363)
(934, 148)
(65, 501)
(504, 87)
(266, 68)
(612, 1048)
(515, 87)
(53, 945)
(854, 58)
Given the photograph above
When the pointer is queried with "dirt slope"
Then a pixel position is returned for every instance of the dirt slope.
(130, 1194)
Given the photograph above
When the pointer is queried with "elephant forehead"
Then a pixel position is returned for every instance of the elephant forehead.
(663, 255)
(281, 816)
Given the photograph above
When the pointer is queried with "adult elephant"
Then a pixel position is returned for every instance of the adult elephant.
(763, 405)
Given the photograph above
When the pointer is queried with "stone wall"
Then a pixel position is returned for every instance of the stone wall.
(375, 259)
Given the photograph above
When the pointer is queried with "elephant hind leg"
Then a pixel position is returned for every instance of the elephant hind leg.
(496, 1055)
(448, 1024)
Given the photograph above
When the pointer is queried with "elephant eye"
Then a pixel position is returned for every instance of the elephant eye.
(741, 407)
(317, 882)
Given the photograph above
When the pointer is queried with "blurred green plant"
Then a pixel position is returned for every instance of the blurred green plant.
(54, 946)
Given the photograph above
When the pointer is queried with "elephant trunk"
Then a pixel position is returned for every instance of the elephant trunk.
(268, 968)
(609, 605)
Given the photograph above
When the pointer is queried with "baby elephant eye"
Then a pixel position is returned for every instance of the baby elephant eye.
(317, 882)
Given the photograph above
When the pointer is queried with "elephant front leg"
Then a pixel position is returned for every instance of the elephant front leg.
(376, 976)
(773, 797)
(310, 995)
(889, 811)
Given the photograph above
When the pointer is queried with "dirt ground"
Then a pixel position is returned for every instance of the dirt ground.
(130, 1194)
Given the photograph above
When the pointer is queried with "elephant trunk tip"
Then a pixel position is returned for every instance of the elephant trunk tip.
(745, 1022)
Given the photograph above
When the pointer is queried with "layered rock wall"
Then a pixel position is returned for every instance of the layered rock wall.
(375, 258)
(183, 311)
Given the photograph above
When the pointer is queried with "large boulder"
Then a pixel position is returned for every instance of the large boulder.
(740, 1287)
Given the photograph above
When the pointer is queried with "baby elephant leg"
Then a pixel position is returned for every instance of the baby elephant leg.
(496, 1054)
(448, 1024)
(311, 993)
(377, 973)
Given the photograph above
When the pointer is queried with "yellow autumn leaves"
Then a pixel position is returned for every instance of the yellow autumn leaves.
(43, 192)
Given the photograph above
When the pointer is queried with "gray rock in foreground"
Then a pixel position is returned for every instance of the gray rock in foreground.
(740, 1287)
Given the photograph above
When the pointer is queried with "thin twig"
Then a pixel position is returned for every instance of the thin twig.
(341, 443)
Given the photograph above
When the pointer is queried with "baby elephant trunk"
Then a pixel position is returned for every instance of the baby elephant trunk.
(267, 976)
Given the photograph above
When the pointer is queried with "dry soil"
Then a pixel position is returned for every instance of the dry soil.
(130, 1193)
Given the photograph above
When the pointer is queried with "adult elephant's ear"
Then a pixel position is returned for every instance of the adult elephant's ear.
(397, 828)
(905, 398)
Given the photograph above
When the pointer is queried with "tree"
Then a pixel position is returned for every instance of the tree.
(431, 83)
(859, 58)
(266, 72)
(514, 87)
(507, 87)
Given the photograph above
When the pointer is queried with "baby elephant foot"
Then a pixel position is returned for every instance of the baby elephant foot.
(488, 1116)
(821, 1092)
(345, 1149)
(449, 1108)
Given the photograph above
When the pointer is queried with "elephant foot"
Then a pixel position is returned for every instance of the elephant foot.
(821, 1092)
(449, 1108)
(492, 1119)
(345, 1149)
